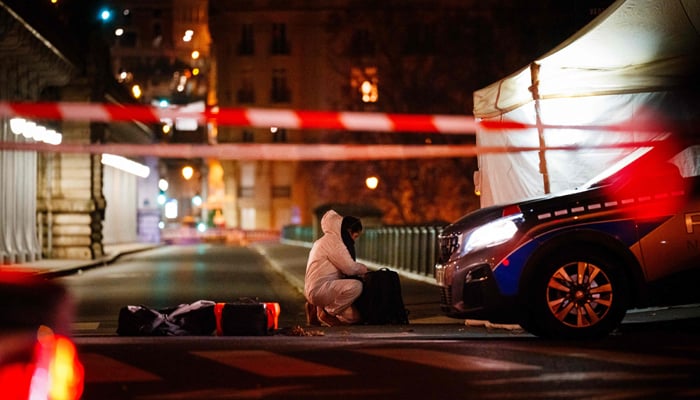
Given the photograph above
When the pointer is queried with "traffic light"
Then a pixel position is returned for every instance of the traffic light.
(162, 198)
(104, 14)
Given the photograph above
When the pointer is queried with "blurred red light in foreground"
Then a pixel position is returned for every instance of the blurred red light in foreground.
(53, 373)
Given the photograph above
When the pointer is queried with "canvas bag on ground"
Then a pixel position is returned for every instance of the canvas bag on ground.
(381, 301)
(196, 318)
(139, 320)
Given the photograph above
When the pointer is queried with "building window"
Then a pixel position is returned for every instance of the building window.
(246, 192)
(246, 47)
(281, 192)
(280, 45)
(279, 135)
(246, 94)
(365, 84)
(362, 43)
(280, 92)
(128, 39)
(419, 39)
(157, 35)
(248, 218)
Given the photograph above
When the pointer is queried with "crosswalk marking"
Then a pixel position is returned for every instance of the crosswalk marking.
(103, 369)
(456, 362)
(270, 364)
(604, 355)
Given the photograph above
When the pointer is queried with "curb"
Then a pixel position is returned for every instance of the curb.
(87, 265)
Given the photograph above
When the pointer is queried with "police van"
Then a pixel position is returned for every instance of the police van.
(570, 265)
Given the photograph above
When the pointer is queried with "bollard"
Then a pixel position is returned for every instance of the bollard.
(401, 259)
(394, 260)
(415, 249)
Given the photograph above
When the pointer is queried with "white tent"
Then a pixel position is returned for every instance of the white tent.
(627, 61)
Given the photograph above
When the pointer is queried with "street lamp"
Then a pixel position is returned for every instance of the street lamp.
(136, 91)
(372, 182)
(197, 200)
(187, 172)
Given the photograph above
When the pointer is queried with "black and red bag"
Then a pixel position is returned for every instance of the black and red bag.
(246, 318)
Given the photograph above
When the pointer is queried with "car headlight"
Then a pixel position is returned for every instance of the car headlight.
(491, 234)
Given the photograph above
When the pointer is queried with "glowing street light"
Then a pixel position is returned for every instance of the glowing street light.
(136, 91)
(372, 182)
(188, 35)
(187, 172)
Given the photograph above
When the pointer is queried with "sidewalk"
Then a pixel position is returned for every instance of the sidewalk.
(52, 268)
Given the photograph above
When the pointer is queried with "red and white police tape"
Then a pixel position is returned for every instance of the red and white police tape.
(255, 117)
(281, 118)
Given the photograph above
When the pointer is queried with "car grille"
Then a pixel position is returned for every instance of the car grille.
(446, 246)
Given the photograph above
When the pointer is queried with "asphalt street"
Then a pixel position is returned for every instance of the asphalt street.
(289, 259)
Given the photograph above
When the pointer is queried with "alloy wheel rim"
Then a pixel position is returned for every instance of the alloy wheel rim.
(579, 294)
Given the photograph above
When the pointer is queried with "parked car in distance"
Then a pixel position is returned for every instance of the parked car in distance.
(38, 359)
(570, 265)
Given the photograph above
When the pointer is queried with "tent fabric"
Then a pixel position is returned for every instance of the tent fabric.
(624, 65)
(634, 46)
(509, 177)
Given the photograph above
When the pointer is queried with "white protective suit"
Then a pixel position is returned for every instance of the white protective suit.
(329, 261)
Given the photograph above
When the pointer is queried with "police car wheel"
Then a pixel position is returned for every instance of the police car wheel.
(577, 296)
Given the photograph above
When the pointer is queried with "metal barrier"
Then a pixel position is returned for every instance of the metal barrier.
(407, 248)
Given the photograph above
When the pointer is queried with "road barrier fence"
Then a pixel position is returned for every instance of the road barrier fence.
(408, 248)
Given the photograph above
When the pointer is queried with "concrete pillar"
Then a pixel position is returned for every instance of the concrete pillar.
(73, 213)
(72, 205)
